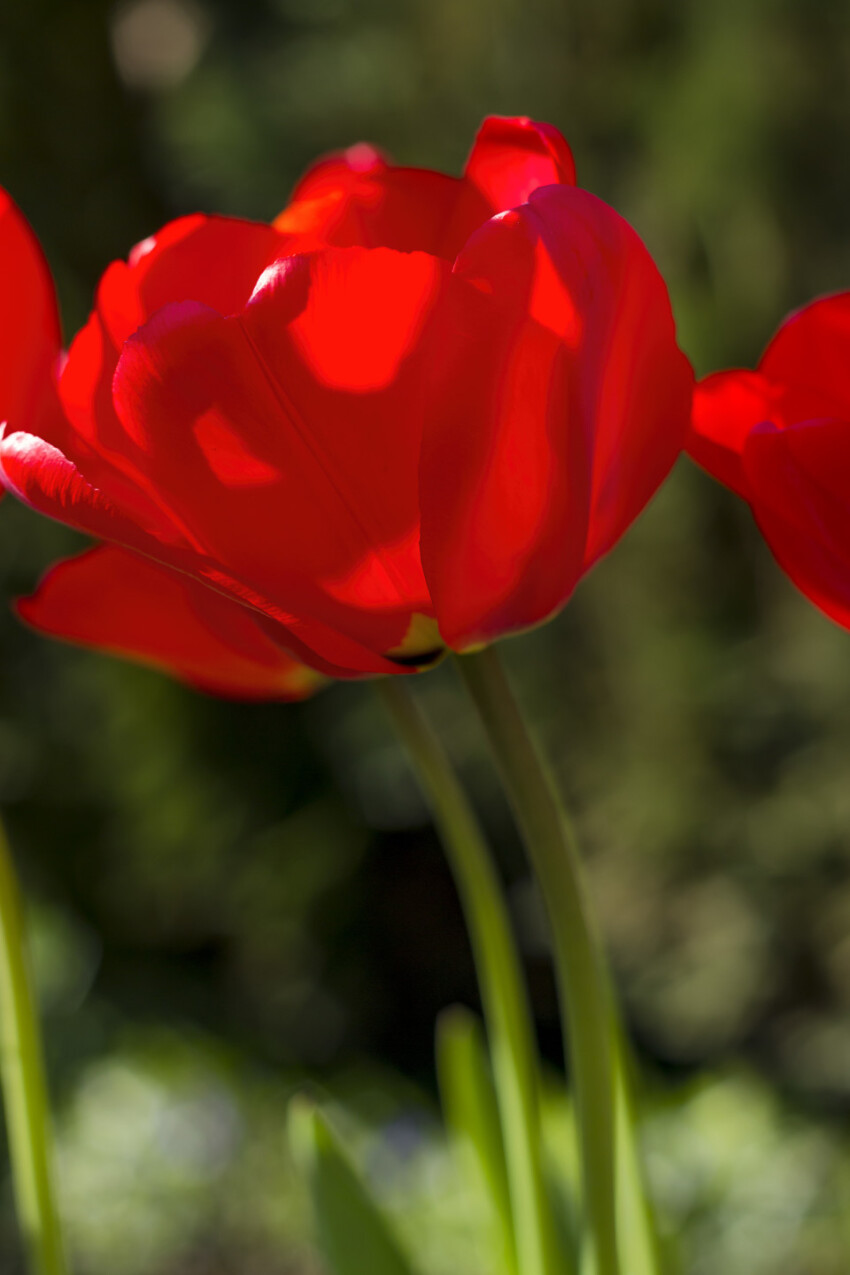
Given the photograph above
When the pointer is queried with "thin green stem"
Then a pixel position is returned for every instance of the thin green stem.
(582, 980)
(637, 1227)
(509, 1026)
(24, 1087)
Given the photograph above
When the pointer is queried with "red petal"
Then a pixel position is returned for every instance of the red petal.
(287, 439)
(809, 356)
(798, 489)
(821, 576)
(511, 157)
(117, 602)
(38, 473)
(341, 172)
(802, 376)
(358, 199)
(568, 410)
(29, 323)
(801, 474)
(213, 260)
(97, 441)
(44, 478)
(727, 406)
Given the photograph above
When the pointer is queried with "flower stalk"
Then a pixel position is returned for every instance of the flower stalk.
(24, 1087)
(508, 1019)
(583, 984)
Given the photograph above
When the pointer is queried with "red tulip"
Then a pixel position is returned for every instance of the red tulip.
(408, 416)
(780, 437)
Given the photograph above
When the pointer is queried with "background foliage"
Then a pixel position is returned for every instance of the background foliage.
(228, 899)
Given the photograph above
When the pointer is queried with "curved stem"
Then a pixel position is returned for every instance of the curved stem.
(24, 1087)
(509, 1026)
(582, 980)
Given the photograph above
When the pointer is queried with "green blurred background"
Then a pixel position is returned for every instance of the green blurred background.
(230, 900)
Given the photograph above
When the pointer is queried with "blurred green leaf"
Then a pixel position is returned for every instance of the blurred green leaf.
(472, 1114)
(353, 1232)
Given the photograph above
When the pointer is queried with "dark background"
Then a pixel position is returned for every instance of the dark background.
(227, 900)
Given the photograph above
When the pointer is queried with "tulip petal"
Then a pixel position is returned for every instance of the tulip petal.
(339, 173)
(359, 199)
(798, 483)
(29, 324)
(40, 475)
(809, 356)
(213, 260)
(287, 438)
(117, 602)
(568, 410)
(726, 407)
(45, 479)
(513, 156)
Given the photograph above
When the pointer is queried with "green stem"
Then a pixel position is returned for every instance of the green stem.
(637, 1228)
(24, 1087)
(582, 980)
(509, 1026)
